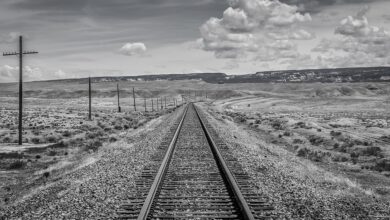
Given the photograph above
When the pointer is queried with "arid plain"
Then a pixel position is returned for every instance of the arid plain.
(318, 149)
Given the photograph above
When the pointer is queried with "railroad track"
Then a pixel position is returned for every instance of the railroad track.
(193, 176)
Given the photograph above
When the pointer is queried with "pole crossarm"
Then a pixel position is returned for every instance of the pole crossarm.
(16, 53)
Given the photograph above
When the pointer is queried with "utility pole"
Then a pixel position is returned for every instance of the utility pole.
(135, 108)
(152, 105)
(117, 89)
(145, 103)
(161, 103)
(89, 99)
(165, 99)
(20, 54)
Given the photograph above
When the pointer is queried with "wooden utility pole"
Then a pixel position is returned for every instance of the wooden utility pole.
(161, 102)
(117, 89)
(20, 54)
(152, 105)
(135, 108)
(145, 103)
(89, 99)
(165, 99)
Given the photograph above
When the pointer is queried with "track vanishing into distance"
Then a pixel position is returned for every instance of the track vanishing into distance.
(194, 176)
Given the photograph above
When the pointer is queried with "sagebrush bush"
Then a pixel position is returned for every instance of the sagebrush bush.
(93, 145)
(18, 164)
(316, 140)
(36, 140)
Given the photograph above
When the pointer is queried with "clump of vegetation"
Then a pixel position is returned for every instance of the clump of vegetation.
(339, 158)
(316, 140)
(112, 139)
(52, 153)
(287, 133)
(301, 124)
(302, 152)
(277, 125)
(316, 156)
(335, 133)
(298, 141)
(382, 165)
(46, 174)
(66, 133)
(52, 138)
(18, 164)
(93, 145)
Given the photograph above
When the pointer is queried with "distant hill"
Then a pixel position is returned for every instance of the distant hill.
(367, 74)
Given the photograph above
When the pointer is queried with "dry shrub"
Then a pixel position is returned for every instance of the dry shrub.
(382, 165)
(37, 140)
(316, 140)
(335, 133)
(18, 164)
(52, 138)
(317, 156)
(93, 145)
(66, 133)
(298, 141)
(112, 139)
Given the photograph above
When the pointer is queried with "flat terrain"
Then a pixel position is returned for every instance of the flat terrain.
(317, 150)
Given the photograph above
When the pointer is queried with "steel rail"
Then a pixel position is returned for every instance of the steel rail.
(243, 205)
(161, 172)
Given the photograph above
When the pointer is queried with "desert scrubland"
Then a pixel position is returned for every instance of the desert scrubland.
(318, 150)
(58, 138)
(323, 146)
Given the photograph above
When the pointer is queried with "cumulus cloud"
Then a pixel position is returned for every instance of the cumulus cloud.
(359, 44)
(255, 29)
(11, 73)
(130, 49)
(315, 6)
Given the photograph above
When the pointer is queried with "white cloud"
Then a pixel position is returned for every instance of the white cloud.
(61, 74)
(358, 44)
(251, 28)
(11, 74)
(130, 49)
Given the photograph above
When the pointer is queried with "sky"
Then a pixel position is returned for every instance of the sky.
(81, 38)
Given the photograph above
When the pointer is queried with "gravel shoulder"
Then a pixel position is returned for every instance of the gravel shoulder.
(98, 185)
(298, 188)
